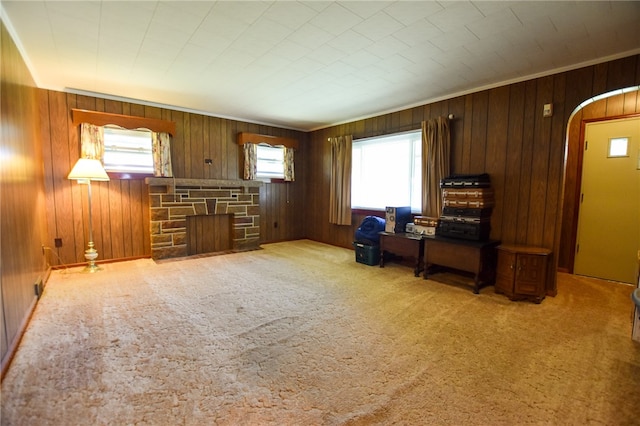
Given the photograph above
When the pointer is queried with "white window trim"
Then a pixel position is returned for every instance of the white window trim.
(114, 167)
(263, 174)
(413, 173)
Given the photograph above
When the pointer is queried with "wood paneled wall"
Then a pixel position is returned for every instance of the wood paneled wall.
(22, 221)
(499, 131)
(120, 208)
(282, 206)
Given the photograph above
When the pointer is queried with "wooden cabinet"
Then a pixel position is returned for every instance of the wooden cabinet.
(522, 272)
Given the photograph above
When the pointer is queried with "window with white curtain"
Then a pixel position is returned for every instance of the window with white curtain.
(387, 171)
(270, 162)
(127, 151)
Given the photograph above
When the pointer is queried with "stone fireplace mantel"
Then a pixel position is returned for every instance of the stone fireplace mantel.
(170, 182)
(171, 201)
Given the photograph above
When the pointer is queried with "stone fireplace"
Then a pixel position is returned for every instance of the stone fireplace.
(171, 201)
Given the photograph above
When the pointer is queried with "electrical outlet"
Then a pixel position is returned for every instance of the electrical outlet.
(58, 242)
(38, 288)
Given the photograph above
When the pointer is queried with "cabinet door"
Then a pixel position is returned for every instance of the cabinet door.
(530, 274)
(505, 272)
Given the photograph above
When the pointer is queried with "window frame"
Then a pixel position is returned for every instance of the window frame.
(269, 176)
(123, 173)
(415, 136)
(611, 146)
(98, 118)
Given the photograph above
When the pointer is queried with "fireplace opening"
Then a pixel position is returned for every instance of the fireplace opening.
(209, 233)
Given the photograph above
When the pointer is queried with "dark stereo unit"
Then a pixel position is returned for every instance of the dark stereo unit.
(397, 219)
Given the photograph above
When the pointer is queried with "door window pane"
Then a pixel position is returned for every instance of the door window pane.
(618, 147)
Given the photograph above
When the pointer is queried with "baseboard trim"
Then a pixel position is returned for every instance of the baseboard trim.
(13, 346)
(101, 262)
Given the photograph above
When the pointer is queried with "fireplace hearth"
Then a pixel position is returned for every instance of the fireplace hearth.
(171, 201)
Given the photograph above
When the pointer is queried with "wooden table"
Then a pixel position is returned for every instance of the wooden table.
(477, 257)
(402, 244)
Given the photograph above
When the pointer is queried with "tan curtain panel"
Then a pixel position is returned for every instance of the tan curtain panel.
(161, 148)
(289, 173)
(92, 142)
(250, 160)
(340, 192)
(436, 154)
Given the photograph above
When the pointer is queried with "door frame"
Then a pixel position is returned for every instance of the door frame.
(573, 220)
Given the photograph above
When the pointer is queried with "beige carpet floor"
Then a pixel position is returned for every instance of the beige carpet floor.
(298, 333)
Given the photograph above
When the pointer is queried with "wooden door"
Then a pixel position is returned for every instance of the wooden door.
(505, 272)
(531, 274)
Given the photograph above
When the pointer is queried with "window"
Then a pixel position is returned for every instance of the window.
(127, 151)
(618, 147)
(270, 162)
(387, 171)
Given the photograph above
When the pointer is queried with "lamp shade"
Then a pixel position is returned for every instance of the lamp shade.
(88, 169)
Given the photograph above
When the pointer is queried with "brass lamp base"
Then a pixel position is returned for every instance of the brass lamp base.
(91, 268)
(91, 255)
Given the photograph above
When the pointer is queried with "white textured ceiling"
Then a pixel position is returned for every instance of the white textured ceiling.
(309, 64)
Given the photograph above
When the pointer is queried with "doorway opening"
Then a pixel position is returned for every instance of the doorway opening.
(624, 103)
(608, 237)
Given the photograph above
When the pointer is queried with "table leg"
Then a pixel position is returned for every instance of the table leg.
(476, 284)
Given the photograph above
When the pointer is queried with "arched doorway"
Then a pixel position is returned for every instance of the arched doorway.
(612, 105)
